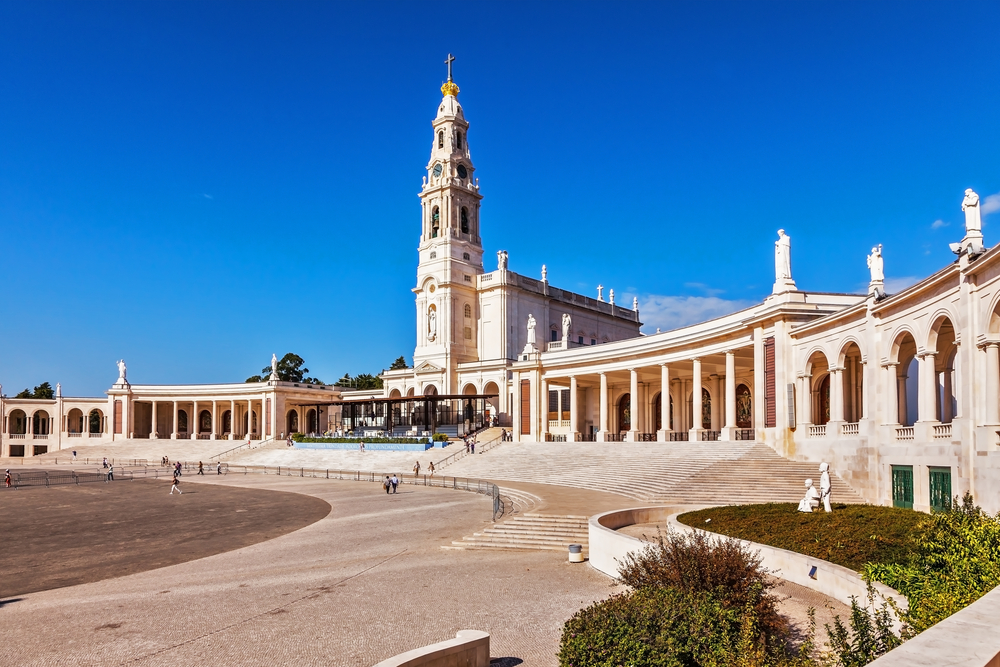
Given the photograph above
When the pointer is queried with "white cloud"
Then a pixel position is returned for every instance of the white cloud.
(207, 196)
(991, 204)
(938, 224)
(671, 312)
(705, 289)
(896, 285)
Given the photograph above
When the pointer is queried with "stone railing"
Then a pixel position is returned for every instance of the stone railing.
(555, 345)
(904, 433)
(942, 431)
(850, 428)
(469, 648)
(40, 436)
(817, 431)
(17, 436)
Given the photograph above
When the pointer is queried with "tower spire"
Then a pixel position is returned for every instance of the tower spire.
(450, 87)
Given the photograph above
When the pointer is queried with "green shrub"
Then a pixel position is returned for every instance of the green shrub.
(955, 560)
(440, 437)
(694, 562)
(870, 635)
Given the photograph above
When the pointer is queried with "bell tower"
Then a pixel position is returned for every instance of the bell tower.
(451, 251)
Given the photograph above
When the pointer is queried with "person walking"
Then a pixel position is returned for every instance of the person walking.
(74, 455)
(6, 478)
(175, 487)
(201, 468)
(416, 470)
(387, 484)
(111, 473)
(472, 446)
(362, 446)
(104, 464)
(395, 482)
(177, 469)
(430, 468)
(218, 468)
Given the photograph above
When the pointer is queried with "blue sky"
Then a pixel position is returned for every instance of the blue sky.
(195, 185)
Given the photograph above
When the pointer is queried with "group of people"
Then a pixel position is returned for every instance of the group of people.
(506, 436)
(430, 469)
(390, 483)
(470, 444)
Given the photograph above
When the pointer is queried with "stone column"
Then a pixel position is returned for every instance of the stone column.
(926, 396)
(663, 434)
(633, 406)
(729, 429)
(602, 435)
(891, 395)
(902, 408)
(696, 405)
(946, 413)
(232, 420)
(215, 427)
(992, 384)
(836, 395)
(153, 435)
(173, 434)
(543, 411)
(574, 424)
(193, 425)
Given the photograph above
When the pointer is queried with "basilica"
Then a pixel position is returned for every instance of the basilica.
(900, 393)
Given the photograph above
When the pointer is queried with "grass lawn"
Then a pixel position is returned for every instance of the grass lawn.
(851, 535)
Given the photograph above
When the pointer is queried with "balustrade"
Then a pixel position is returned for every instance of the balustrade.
(942, 431)
(904, 433)
(817, 431)
(851, 428)
(681, 436)
(709, 436)
(745, 434)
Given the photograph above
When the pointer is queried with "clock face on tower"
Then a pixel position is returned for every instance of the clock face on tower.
(462, 171)
(437, 169)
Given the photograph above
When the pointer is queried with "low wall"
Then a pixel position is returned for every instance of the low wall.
(369, 446)
(839, 583)
(469, 648)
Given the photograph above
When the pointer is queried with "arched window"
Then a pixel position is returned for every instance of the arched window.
(458, 140)
(468, 310)
(441, 139)
(435, 222)
(465, 220)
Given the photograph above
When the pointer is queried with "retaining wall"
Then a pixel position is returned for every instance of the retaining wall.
(469, 648)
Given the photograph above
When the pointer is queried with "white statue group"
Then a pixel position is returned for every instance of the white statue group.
(815, 496)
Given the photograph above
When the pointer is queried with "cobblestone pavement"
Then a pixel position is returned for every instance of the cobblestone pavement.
(366, 582)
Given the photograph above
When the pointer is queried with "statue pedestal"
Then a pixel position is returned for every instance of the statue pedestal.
(783, 285)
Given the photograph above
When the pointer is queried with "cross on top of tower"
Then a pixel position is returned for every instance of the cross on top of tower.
(450, 87)
(448, 61)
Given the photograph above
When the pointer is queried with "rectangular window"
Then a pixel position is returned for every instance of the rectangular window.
(553, 335)
(940, 486)
(565, 404)
(267, 416)
(902, 487)
(118, 417)
(553, 402)
(770, 391)
(593, 341)
(580, 340)
(16, 451)
(468, 278)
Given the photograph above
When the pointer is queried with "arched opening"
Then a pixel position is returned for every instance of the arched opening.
(706, 409)
(465, 220)
(311, 421)
(458, 140)
(658, 411)
(409, 392)
(204, 421)
(853, 380)
(819, 388)
(430, 390)
(744, 407)
(493, 407)
(468, 311)
(435, 222)
(441, 139)
(182, 421)
(394, 393)
(40, 423)
(227, 421)
(942, 341)
(292, 420)
(95, 421)
(17, 422)
(904, 351)
(469, 389)
(74, 421)
(625, 413)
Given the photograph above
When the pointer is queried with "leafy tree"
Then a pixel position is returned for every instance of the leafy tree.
(290, 369)
(362, 381)
(44, 390)
(399, 364)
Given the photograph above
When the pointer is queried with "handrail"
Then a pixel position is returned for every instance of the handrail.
(248, 445)
(462, 453)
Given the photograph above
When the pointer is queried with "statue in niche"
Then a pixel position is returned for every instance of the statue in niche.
(783, 257)
(121, 372)
(502, 260)
(611, 296)
(875, 264)
(825, 485)
(274, 367)
(432, 324)
(531, 330)
(973, 218)
(812, 498)
(567, 324)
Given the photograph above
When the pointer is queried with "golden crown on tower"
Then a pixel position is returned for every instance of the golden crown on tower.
(450, 88)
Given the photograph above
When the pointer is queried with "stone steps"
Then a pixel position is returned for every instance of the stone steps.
(530, 531)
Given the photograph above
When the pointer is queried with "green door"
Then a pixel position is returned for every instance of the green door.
(940, 484)
(902, 486)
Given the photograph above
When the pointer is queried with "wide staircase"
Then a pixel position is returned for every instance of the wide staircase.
(547, 532)
(724, 473)
(134, 451)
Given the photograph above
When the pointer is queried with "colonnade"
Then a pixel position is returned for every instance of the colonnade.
(239, 424)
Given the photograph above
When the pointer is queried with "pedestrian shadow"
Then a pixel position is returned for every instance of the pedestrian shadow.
(505, 662)
(8, 601)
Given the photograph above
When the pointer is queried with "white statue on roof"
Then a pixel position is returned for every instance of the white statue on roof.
(567, 324)
(973, 217)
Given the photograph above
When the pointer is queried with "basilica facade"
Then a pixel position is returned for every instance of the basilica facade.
(900, 393)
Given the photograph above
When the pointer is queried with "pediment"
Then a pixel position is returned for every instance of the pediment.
(427, 367)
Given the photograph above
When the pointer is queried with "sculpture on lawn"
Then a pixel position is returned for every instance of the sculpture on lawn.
(825, 485)
(811, 499)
